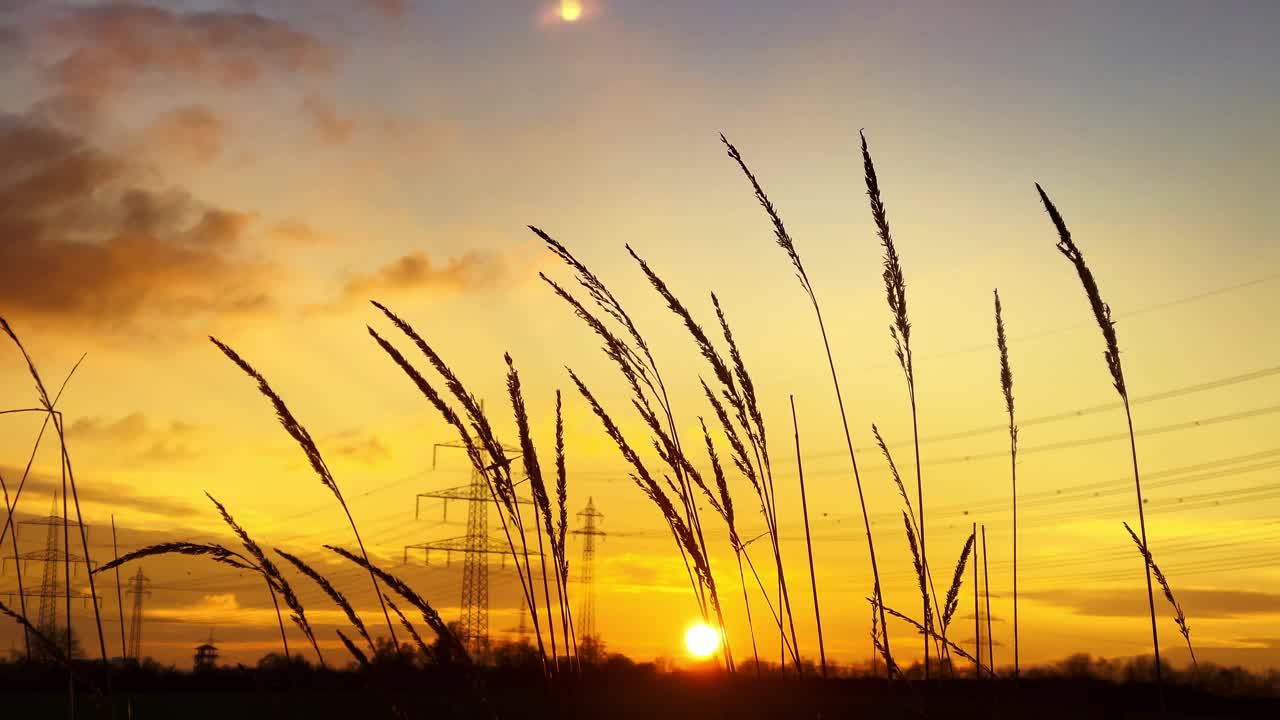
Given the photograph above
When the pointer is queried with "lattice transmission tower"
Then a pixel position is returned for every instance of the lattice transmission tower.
(139, 587)
(589, 531)
(57, 568)
(476, 546)
(55, 565)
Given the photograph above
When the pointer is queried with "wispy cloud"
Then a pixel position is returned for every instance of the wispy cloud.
(194, 133)
(1124, 602)
(137, 438)
(97, 491)
(113, 48)
(390, 8)
(298, 232)
(362, 448)
(417, 272)
(327, 125)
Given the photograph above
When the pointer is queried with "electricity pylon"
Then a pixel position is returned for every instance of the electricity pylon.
(138, 587)
(475, 546)
(50, 559)
(589, 532)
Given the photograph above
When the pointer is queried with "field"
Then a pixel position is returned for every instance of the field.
(630, 694)
(700, 486)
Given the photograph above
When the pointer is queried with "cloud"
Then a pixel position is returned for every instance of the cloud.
(966, 643)
(326, 125)
(297, 232)
(982, 616)
(10, 38)
(1129, 603)
(139, 439)
(1268, 642)
(99, 492)
(83, 240)
(390, 8)
(416, 272)
(116, 47)
(127, 429)
(193, 133)
(368, 450)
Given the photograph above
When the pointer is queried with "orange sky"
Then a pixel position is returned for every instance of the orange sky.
(173, 171)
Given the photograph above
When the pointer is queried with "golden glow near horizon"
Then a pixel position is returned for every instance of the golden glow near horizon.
(570, 10)
(701, 640)
(159, 186)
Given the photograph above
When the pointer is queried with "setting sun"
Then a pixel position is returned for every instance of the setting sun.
(570, 10)
(701, 640)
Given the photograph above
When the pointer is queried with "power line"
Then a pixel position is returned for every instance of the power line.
(1050, 332)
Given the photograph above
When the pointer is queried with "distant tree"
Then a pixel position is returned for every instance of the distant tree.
(40, 653)
(520, 655)
(617, 662)
(277, 662)
(591, 650)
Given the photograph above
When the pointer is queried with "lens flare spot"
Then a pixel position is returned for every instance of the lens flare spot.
(570, 10)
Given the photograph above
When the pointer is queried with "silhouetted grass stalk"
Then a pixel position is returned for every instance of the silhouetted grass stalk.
(48, 414)
(640, 370)
(986, 591)
(785, 241)
(724, 506)
(33, 631)
(409, 628)
(303, 438)
(68, 479)
(1102, 313)
(644, 379)
(977, 616)
(739, 392)
(17, 564)
(923, 572)
(562, 559)
(680, 530)
(920, 629)
(808, 539)
(747, 405)
(496, 471)
(749, 470)
(896, 291)
(1006, 386)
(953, 593)
(538, 490)
(115, 555)
(275, 580)
(334, 594)
(1179, 618)
(449, 642)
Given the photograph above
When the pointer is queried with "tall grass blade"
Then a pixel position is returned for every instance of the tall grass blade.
(273, 576)
(808, 539)
(427, 654)
(309, 448)
(452, 646)
(1102, 314)
(334, 594)
(986, 591)
(1006, 386)
(895, 286)
(784, 240)
(1179, 617)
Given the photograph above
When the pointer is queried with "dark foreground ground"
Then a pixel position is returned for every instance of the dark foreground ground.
(666, 696)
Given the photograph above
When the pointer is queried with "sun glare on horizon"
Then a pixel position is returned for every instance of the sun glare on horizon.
(702, 640)
(570, 10)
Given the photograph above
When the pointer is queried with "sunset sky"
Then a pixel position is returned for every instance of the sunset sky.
(259, 170)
